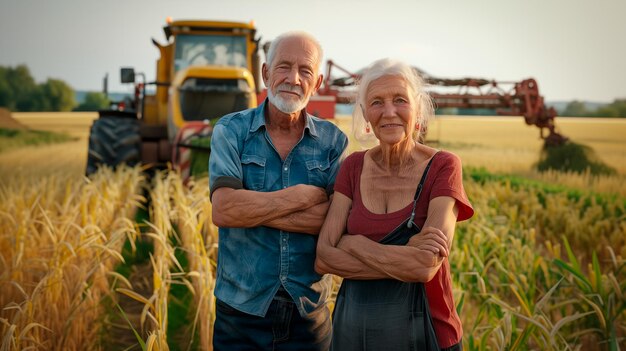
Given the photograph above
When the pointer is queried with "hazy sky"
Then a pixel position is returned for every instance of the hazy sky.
(575, 49)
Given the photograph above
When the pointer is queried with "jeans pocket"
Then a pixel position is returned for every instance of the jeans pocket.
(281, 319)
(224, 308)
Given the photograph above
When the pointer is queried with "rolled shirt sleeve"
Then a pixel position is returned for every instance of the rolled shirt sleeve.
(243, 157)
(225, 161)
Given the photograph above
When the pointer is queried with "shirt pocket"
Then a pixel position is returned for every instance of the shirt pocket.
(253, 171)
(317, 170)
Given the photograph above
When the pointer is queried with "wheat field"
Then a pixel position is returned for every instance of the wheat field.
(500, 144)
(539, 267)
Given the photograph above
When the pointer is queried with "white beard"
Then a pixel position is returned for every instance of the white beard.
(287, 106)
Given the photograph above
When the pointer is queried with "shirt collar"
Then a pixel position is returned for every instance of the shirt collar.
(259, 120)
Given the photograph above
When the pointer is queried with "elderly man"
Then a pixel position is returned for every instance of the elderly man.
(271, 170)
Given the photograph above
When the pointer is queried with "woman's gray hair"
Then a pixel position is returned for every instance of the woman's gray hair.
(271, 52)
(390, 67)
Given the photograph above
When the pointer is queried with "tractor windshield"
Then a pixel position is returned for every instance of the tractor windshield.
(221, 50)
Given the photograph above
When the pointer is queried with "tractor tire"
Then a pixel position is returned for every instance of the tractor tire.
(113, 141)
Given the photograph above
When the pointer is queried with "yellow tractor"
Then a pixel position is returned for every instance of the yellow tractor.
(205, 70)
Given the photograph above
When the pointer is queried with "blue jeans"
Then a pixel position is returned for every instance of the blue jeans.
(282, 328)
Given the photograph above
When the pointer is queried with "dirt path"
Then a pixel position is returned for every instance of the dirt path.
(8, 122)
(119, 335)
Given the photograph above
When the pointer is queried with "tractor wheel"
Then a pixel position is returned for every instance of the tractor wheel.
(113, 141)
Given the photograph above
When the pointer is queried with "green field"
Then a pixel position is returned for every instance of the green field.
(541, 266)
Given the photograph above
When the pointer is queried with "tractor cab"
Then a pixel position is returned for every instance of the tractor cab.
(205, 70)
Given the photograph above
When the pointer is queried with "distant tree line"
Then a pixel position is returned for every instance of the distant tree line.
(20, 93)
(574, 108)
(579, 109)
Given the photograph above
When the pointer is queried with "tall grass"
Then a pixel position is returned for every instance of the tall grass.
(199, 240)
(605, 184)
(536, 268)
(573, 157)
(541, 269)
(58, 243)
(14, 138)
(180, 219)
(540, 266)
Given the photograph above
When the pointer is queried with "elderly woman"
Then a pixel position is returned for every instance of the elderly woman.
(390, 226)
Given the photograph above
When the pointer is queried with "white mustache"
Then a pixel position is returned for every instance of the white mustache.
(290, 88)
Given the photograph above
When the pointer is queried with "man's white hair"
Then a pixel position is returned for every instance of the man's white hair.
(271, 53)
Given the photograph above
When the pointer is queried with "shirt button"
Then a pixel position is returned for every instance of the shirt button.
(285, 168)
(284, 247)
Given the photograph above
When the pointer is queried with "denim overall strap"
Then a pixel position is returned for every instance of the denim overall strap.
(392, 238)
(418, 192)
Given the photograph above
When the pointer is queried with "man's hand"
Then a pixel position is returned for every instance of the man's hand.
(241, 208)
(307, 221)
(310, 194)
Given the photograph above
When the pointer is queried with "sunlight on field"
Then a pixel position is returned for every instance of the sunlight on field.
(532, 257)
(39, 161)
(499, 144)
(507, 144)
(607, 136)
(36, 161)
(74, 123)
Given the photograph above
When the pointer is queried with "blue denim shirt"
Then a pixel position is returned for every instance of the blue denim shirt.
(253, 263)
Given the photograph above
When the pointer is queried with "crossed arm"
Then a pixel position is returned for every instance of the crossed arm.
(300, 208)
(357, 257)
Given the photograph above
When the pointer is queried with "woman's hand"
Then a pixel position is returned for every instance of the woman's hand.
(431, 239)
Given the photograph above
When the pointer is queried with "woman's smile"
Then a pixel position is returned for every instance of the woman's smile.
(392, 125)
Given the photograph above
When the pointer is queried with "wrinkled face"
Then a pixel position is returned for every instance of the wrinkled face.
(390, 109)
(292, 77)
